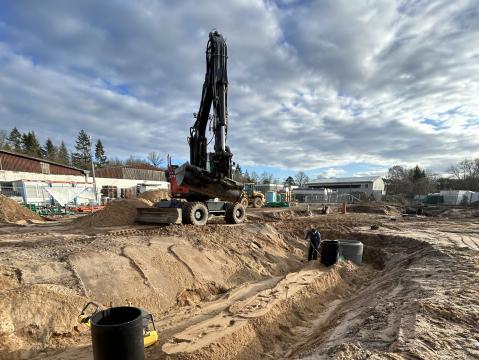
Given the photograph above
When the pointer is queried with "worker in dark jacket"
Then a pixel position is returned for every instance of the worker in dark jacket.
(314, 240)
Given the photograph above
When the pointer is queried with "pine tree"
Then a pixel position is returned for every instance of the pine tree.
(4, 145)
(100, 156)
(30, 144)
(15, 139)
(81, 158)
(49, 151)
(62, 154)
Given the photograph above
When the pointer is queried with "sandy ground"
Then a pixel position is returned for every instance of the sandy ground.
(245, 291)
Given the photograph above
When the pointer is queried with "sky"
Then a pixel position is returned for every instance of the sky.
(334, 88)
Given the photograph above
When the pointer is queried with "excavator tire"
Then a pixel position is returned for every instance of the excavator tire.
(195, 213)
(257, 202)
(244, 202)
(235, 213)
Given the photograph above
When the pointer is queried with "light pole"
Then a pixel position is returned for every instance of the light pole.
(93, 171)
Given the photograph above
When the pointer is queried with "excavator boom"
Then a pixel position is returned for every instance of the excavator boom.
(210, 173)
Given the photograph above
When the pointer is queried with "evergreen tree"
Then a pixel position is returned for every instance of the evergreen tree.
(30, 144)
(100, 156)
(49, 151)
(81, 158)
(15, 139)
(63, 156)
(4, 145)
(289, 181)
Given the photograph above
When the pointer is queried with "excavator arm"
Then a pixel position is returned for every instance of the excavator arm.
(210, 173)
(214, 95)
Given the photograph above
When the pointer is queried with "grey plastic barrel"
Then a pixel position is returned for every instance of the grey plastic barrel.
(351, 250)
(117, 334)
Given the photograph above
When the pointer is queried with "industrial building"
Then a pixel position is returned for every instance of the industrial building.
(359, 187)
(42, 182)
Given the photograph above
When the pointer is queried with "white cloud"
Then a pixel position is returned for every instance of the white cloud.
(331, 173)
(312, 84)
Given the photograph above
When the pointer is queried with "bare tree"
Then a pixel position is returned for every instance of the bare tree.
(466, 174)
(301, 178)
(266, 178)
(254, 177)
(155, 158)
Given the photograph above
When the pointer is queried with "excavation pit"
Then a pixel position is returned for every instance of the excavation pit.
(239, 292)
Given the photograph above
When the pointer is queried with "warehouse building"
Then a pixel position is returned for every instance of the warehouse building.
(39, 181)
(363, 187)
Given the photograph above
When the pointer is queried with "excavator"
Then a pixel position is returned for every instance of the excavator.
(203, 187)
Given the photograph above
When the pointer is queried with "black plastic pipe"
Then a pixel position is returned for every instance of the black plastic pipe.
(117, 334)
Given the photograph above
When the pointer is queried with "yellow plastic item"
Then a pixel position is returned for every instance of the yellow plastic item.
(150, 337)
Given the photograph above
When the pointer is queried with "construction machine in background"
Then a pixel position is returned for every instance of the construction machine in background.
(204, 187)
(251, 197)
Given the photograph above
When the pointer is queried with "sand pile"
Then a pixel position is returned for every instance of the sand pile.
(11, 211)
(375, 208)
(116, 213)
(155, 195)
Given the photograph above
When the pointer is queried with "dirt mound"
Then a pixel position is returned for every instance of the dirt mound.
(375, 208)
(116, 213)
(11, 211)
(155, 195)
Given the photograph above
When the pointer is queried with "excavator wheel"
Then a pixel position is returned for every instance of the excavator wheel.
(195, 213)
(235, 213)
(257, 202)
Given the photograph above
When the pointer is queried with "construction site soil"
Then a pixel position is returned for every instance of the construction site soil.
(245, 291)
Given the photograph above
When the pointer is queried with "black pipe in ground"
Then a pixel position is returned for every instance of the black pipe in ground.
(117, 334)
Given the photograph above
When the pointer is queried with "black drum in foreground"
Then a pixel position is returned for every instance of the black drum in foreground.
(117, 334)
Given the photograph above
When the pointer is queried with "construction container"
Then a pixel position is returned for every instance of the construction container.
(271, 196)
(351, 250)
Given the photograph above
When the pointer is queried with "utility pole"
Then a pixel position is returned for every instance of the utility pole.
(93, 171)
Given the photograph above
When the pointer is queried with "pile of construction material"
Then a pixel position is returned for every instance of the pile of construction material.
(116, 213)
(155, 195)
(13, 212)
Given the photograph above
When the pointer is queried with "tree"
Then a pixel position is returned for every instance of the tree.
(4, 145)
(116, 162)
(238, 174)
(30, 144)
(136, 161)
(465, 175)
(254, 177)
(100, 156)
(49, 151)
(266, 178)
(410, 182)
(81, 158)
(416, 174)
(301, 178)
(15, 139)
(155, 158)
(289, 181)
(63, 157)
(246, 176)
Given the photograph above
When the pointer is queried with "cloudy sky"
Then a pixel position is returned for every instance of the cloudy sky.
(336, 87)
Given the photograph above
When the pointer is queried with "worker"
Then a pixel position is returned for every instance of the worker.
(314, 241)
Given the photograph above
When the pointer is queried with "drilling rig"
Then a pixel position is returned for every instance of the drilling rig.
(203, 187)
